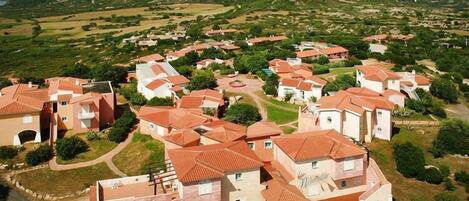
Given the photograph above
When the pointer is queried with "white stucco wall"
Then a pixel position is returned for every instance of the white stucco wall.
(384, 123)
(247, 188)
(336, 118)
(394, 84)
(352, 125)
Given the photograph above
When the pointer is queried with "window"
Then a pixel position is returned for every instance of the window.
(205, 187)
(329, 120)
(152, 126)
(64, 119)
(349, 164)
(379, 130)
(314, 164)
(252, 145)
(343, 184)
(380, 113)
(268, 144)
(238, 176)
(27, 119)
(63, 103)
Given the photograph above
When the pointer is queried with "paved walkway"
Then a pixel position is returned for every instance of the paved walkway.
(107, 158)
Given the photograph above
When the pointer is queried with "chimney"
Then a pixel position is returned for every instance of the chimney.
(77, 82)
(413, 72)
(30, 84)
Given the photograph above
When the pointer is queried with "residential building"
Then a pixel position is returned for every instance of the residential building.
(323, 165)
(179, 139)
(359, 114)
(259, 138)
(221, 131)
(152, 58)
(290, 68)
(219, 172)
(306, 90)
(199, 48)
(159, 121)
(24, 114)
(206, 62)
(220, 32)
(331, 52)
(260, 40)
(159, 80)
(210, 101)
(379, 78)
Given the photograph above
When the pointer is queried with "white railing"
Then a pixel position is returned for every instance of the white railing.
(86, 115)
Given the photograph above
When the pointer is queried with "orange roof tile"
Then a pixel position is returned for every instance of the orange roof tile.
(376, 37)
(151, 57)
(355, 100)
(178, 79)
(349, 197)
(278, 188)
(86, 96)
(183, 137)
(422, 80)
(389, 92)
(317, 80)
(199, 163)
(317, 144)
(177, 118)
(308, 53)
(334, 50)
(220, 31)
(378, 73)
(224, 131)
(155, 84)
(263, 129)
(65, 85)
(190, 102)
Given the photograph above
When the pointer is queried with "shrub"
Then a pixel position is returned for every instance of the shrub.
(445, 196)
(444, 89)
(242, 114)
(41, 154)
(432, 175)
(157, 101)
(409, 159)
(270, 86)
(138, 99)
(320, 69)
(444, 169)
(121, 128)
(453, 138)
(202, 80)
(449, 184)
(68, 148)
(91, 136)
(8, 152)
(462, 177)
(118, 134)
(352, 62)
(288, 96)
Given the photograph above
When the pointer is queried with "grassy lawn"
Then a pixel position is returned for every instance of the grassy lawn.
(344, 70)
(283, 104)
(287, 129)
(280, 116)
(96, 149)
(141, 152)
(415, 117)
(245, 98)
(411, 189)
(60, 183)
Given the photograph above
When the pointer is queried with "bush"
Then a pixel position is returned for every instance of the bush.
(138, 99)
(202, 80)
(444, 89)
(42, 154)
(157, 101)
(449, 184)
(242, 114)
(270, 86)
(320, 69)
(352, 62)
(453, 138)
(409, 159)
(121, 128)
(68, 148)
(427, 104)
(462, 177)
(445, 196)
(91, 136)
(118, 134)
(432, 175)
(8, 152)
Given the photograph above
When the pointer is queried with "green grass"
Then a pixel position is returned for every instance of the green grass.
(287, 129)
(139, 154)
(411, 189)
(96, 149)
(344, 70)
(415, 117)
(61, 183)
(283, 104)
(245, 98)
(280, 116)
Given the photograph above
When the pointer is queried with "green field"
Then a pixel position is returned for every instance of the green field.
(280, 116)
(96, 149)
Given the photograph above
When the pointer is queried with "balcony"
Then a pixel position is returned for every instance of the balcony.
(86, 115)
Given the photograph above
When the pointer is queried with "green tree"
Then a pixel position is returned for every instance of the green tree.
(271, 84)
(212, 53)
(78, 70)
(4, 82)
(445, 196)
(202, 80)
(244, 114)
(409, 159)
(250, 63)
(453, 137)
(106, 72)
(137, 99)
(68, 148)
(255, 30)
(194, 31)
(444, 89)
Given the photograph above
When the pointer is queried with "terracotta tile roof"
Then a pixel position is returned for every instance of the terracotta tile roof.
(390, 92)
(157, 69)
(333, 50)
(177, 118)
(199, 163)
(349, 197)
(355, 101)
(230, 47)
(317, 144)
(179, 53)
(20, 99)
(422, 80)
(190, 102)
(264, 39)
(317, 80)
(299, 83)
(263, 129)
(178, 79)
(205, 62)
(308, 53)
(176, 88)
(183, 137)
(151, 57)
(85, 97)
(208, 94)
(67, 79)
(377, 72)
(224, 131)
(362, 91)
(221, 31)
(155, 84)
(376, 37)
(278, 189)
(65, 85)
(18, 88)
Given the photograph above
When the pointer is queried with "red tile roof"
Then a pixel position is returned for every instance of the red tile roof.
(177, 118)
(151, 57)
(183, 137)
(263, 129)
(378, 72)
(264, 39)
(376, 37)
(422, 80)
(308, 53)
(155, 84)
(317, 144)
(20, 99)
(221, 31)
(278, 188)
(224, 131)
(349, 197)
(355, 101)
(65, 85)
(190, 102)
(199, 163)
(334, 50)
(178, 79)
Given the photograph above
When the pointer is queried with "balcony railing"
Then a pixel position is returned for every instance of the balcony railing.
(86, 115)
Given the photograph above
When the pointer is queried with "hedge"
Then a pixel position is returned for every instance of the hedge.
(68, 148)
(121, 128)
(8, 152)
(42, 154)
